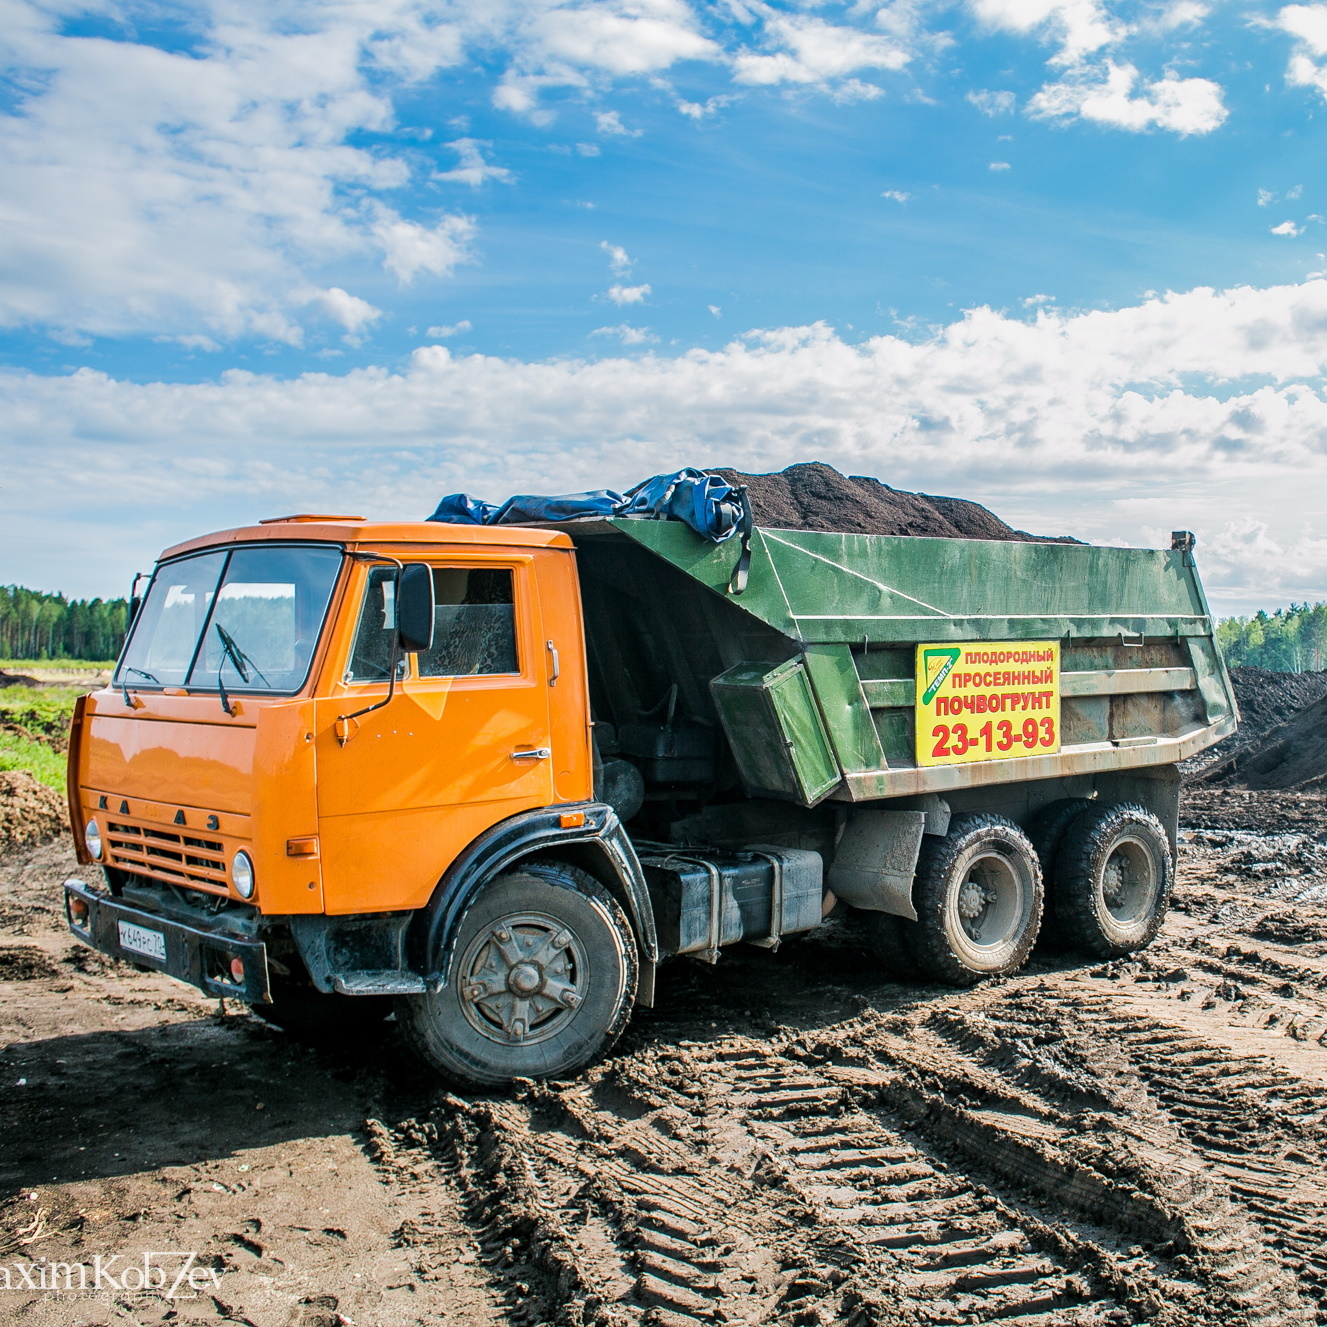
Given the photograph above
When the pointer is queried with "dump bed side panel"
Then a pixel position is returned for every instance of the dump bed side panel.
(1141, 682)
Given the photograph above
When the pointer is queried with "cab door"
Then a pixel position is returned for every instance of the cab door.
(464, 743)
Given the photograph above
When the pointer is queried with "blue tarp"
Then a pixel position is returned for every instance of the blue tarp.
(708, 504)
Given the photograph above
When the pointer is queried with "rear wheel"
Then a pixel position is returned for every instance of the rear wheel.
(978, 897)
(542, 981)
(1113, 878)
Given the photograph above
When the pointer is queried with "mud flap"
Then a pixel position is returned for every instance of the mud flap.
(876, 860)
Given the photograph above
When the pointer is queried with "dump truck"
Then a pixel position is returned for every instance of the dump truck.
(490, 778)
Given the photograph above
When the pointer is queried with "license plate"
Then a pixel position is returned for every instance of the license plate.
(138, 939)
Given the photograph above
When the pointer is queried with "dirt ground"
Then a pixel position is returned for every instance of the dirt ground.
(787, 1138)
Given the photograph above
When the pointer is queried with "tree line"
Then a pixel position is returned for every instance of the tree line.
(34, 625)
(1291, 640)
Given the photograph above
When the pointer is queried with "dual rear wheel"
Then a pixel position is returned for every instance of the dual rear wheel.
(1100, 874)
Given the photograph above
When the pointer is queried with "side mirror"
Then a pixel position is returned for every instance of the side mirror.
(414, 608)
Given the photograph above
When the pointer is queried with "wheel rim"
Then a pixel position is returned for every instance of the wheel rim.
(522, 979)
(1129, 882)
(988, 904)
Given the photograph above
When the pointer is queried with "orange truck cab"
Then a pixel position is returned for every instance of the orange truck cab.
(344, 767)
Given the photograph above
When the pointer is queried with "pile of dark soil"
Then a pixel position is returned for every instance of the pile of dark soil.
(1292, 755)
(17, 680)
(29, 810)
(1267, 699)
(815, 496)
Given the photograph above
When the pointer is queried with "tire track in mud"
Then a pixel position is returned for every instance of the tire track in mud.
(880, 1175)
(1129, 1122)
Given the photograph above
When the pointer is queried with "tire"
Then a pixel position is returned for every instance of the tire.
(508, 949)
(1045, 831)
(978, 896)
(1113, 877)
(307, 1013)
(884, 936)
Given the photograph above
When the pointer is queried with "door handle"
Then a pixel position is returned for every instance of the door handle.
(535, 753)
(557, 666)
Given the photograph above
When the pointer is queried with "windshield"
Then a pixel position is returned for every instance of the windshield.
(249, 617)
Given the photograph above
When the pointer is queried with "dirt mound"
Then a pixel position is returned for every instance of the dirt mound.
(815, 496)
(1292, 755)
(17, 680)
(29, 810)
(1267, 699)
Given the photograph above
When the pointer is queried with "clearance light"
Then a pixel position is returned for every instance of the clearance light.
(241, 874)
(237, 971)
(78, 910)
(571, 819)
(92, 837)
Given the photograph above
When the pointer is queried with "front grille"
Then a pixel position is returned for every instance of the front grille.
(179, 858)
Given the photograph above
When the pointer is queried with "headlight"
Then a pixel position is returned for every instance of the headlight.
(92, 837)
(241, 874)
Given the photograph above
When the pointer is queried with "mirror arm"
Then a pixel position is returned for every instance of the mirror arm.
(343, 721)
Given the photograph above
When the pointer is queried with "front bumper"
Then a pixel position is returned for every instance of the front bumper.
(198, 954)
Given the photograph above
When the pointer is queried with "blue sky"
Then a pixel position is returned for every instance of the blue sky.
(1060, 256)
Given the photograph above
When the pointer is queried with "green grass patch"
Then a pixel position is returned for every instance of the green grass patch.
(44, 711)
(41, 761)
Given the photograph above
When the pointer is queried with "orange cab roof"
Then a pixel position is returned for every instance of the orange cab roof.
(354, 532)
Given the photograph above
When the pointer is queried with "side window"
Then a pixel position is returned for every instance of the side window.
(371, 657)
(475, 623)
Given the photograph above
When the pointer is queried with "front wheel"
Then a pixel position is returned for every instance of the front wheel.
(1112, 880)
(542, 981)
(978, 896)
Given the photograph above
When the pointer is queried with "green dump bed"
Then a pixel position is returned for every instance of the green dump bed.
(861, 667)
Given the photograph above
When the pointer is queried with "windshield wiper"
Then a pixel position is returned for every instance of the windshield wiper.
(238, 659)
(124, 686)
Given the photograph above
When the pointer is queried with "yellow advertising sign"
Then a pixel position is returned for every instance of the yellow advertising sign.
(992, 700)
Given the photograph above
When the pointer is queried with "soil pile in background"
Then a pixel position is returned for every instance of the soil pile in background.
(17, 680)
(1267, 700)
(29, 810)
(815, 496)
(1292, 755)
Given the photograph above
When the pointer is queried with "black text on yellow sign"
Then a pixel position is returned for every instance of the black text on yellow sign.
(988, 701)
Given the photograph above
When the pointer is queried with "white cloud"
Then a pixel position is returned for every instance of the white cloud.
(1182, 105)
(628, 335)
(618, 258)
(699, 110)
(898, 195)
(192, 192)
(588, 149)
(715, 310)
(1033, 300)
(810, 51)
(609, 123)
(618, 36)
(473, 169)
(1287, 228)
(998, 165)
(1265, 196)
(992, 103)
(620, 294)
(410, 248)
(455, 329)
(353, 313)
(1308, 24)
(1080, 27)
(1204, 410)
